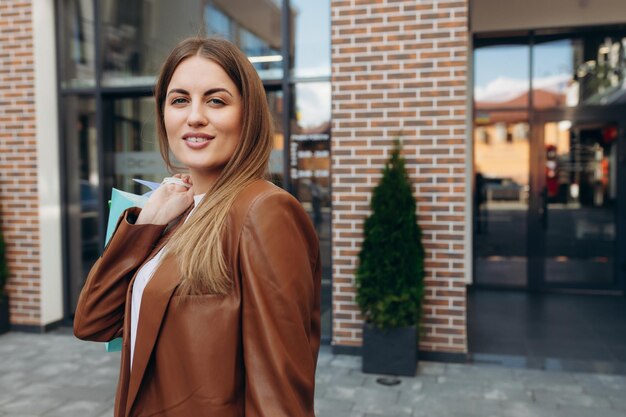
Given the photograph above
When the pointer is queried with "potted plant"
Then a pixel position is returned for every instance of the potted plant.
(5, 324)
(390, 277)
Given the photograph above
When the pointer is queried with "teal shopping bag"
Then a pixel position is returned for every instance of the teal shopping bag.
(120, 201)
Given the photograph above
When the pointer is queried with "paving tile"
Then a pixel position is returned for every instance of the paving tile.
(569, 398)
(507, 393)
(573, 411)
(330, 404)
(31, 405)
(529, 409)
(77, 409)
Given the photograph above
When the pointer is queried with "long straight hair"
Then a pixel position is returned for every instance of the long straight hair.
(197, 244)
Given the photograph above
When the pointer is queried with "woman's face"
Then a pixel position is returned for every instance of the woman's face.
(202, 115)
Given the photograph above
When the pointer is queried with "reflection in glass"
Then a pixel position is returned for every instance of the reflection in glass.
(501, 151)
(569, 72)
(253, 25)
(310, 173)
(579, 202)
(275, 102)
(81, 157)
(602, 75)
(130, 135)
(77, 44)
(312, 38)
(554, 83)
(137, 36)
(501, 77)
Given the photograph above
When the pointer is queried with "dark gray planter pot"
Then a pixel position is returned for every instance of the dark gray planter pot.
(5, 325)
(390, 352)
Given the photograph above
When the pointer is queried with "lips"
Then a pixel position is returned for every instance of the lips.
(197, 140)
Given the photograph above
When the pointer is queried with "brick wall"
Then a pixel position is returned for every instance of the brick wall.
(18, 160)
(399, 68)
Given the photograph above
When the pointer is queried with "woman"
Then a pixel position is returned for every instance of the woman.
(215, 284)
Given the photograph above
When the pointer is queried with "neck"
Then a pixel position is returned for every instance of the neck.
(203, 181)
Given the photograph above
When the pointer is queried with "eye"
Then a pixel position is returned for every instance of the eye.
(216, 101)
(179, 100)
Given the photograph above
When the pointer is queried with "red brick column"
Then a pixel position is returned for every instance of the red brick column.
(18, 161)
(399, 69)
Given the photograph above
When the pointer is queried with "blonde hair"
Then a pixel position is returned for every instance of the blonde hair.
(197, 245)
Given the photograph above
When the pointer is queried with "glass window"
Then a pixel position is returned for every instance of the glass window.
(554, 81)
(574, 71)
(311, 28)
(275, 101)
(77, 44)
(135, 42)
(600, 70)
(137, 36)
(130, 135)
(501, 76)
(310, 173)
(253, 25)
(83, 203)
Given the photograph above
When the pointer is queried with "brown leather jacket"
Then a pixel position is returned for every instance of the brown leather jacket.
(250, 353)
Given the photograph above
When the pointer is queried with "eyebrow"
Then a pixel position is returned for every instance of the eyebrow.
(206, 93)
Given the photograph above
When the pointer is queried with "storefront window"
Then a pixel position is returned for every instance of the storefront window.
(574, 71)
(83, 180)
(554, 80)
(138, 35)
(77, 44)
(275, 101)
(310, 173)
(131, 139)
(603, 75)
(501, 76)
(257, 31)
(312, 38)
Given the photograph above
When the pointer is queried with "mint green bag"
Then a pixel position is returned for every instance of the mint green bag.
(120, 201)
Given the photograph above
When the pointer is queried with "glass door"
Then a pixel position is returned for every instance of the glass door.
(575, 217)
(81, 191)
(501, 200)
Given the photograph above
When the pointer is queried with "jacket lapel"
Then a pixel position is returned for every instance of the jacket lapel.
(154, 302)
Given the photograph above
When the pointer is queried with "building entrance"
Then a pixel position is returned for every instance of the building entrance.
(546, 202)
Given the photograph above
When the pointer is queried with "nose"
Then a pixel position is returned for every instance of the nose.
(197, 115)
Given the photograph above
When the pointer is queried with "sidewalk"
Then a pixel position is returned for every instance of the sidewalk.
(56, 375)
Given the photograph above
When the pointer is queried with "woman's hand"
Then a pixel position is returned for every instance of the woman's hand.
(167, 202)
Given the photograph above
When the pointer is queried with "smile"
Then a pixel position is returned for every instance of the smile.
(194, 139)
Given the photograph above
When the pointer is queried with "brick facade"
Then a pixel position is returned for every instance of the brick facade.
(399, 69)
(19, 208)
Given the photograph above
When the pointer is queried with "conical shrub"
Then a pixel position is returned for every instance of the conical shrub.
(390, 277)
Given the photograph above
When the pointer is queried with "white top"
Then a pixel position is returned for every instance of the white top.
(143, 277)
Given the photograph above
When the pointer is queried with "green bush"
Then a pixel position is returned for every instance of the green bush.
(390, 277)
(4, 269)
